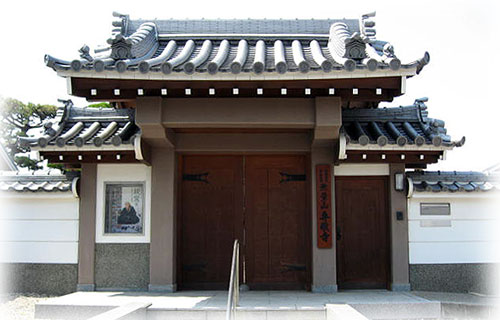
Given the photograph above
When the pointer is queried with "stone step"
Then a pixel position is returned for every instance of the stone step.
(414, 310)
(430, 310)
(253, 305)
(240, 314)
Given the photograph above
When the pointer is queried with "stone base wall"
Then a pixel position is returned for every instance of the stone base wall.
(40, 278)
(468, 277)
(123, 266)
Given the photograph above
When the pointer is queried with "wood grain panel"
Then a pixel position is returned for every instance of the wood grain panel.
(362, 232)
(276, 246)
(260, 200)
(211, 219)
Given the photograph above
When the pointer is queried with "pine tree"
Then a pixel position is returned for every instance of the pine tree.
(17, 119)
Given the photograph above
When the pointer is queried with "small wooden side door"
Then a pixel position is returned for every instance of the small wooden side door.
(362, 224)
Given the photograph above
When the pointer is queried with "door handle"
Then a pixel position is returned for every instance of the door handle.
(339, 234)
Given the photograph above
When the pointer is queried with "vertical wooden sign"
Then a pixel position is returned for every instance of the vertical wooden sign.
(324, 205)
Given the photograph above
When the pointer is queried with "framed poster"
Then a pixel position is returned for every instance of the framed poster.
(124, 208)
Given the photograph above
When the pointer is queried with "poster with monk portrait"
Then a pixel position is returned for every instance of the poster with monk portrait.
(124, 212)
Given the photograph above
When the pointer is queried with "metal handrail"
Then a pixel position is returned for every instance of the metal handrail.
(233, 295)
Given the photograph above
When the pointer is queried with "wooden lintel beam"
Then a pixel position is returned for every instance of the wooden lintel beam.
(411, 158)
(105, 88)
(69, 157)
(345, 94)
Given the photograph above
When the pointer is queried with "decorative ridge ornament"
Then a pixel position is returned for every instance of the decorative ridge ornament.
(367, 26)
(135, 46)
(121, 47)
(122, 24)
(345, 47)
(355, 47)
(85, 53)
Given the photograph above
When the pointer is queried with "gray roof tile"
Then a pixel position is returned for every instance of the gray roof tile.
(409, 125)
(453, 181)
(78, 127)
(35, 182)
(140, 40)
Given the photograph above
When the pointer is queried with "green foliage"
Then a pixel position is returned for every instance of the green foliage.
(26, 162)
(16, 120)
(59, 166)
(100, 105)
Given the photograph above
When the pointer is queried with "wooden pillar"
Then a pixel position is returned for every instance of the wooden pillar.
(328, 119)
(163, 227)
(324, 264)
(399, 234)
(86, 237)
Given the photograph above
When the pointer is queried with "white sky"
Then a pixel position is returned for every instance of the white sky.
(461, 80)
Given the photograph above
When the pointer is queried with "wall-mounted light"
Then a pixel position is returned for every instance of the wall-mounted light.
(399, 181)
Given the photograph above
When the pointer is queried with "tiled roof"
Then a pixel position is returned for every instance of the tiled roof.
(36, 182)
(453, 181)
(391, 128)
(233, 26)
(77, 127)
(363, 129)
(240, 46)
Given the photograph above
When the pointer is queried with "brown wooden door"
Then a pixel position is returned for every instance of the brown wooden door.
(212, 217)
(260, 200)
(362, 232)
(275, 222)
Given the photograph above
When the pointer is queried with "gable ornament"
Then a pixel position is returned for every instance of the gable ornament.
(355, 47)
(121, 47)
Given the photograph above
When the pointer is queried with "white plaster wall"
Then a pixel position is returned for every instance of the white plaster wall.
(39, 227)
(362, 169)
(469, 235)
(122, 173)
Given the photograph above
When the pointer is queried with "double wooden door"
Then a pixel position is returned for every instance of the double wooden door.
(362, 232)
(260, 200)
